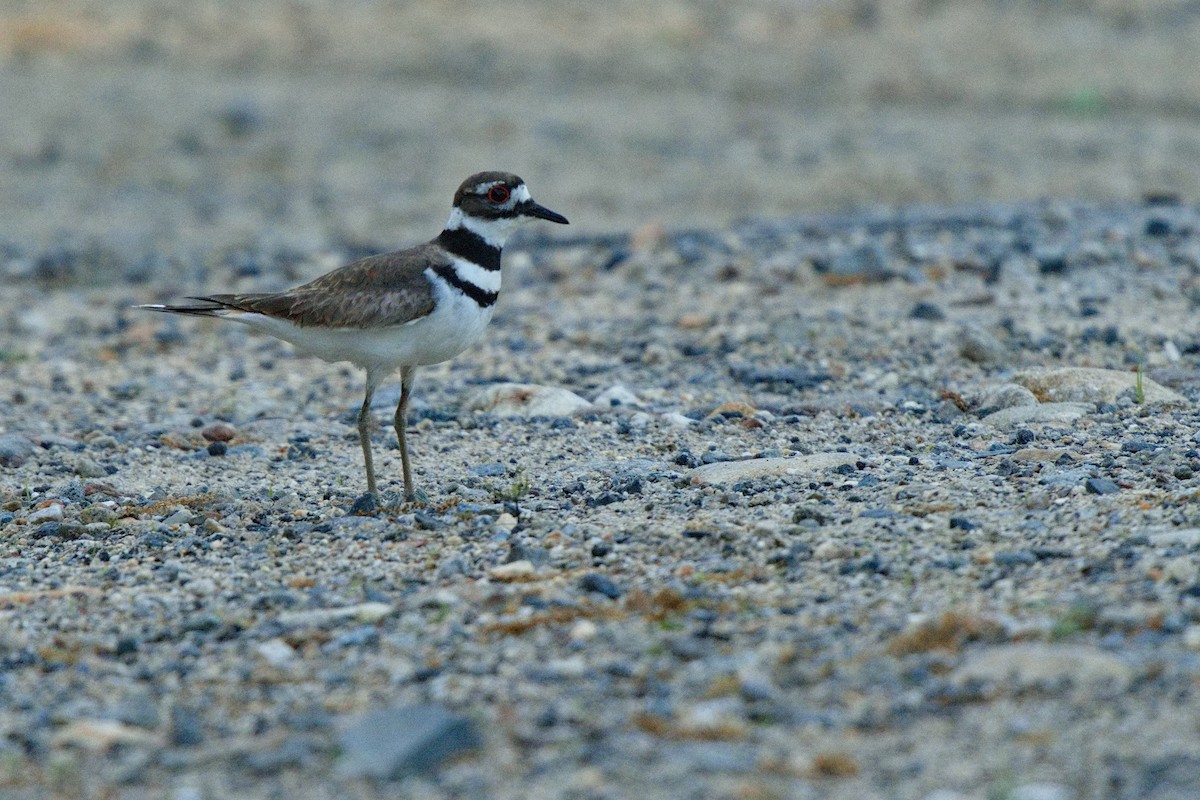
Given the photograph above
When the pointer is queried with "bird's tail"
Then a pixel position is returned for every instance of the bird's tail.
(205, 308)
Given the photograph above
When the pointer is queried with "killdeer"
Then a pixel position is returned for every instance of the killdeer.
(399, 310)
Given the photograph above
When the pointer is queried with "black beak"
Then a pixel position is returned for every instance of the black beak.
(532, 209)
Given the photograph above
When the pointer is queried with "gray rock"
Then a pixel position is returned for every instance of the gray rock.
(947, 412)
(927, 311)
(523, 551)
(1101, 486)
(396, 742)
(318, 617)
(72, 493)
(139, 710)
(494, 469)
(601, 584)
(1066, 478)
(1090, 385)
(178, 518)
(185, 728)
(1006, 395)
(869, 261)
(1038, 665)
(15, 449)
(51, 513)
(293, 752)
(727, 472)
(976, 344)
(1014, 559)
(1042, 791)
(88, 468)
(617, 396)
(1045, 413)
(364, 505)
(1183, 537)
(726, 758)
(451, 567)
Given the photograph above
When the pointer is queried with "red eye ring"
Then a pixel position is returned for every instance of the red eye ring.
(498, 193)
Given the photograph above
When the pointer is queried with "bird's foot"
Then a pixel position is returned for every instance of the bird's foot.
(417, 496)
(365, 505)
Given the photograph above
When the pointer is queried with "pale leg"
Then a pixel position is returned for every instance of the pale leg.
(364, 431)
(401, 423)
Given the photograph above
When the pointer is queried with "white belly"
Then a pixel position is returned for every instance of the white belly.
(455, 324)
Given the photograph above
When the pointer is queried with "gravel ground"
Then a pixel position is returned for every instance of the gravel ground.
(828, 532)
(785, 502)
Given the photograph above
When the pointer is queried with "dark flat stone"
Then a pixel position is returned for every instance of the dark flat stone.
(392, 743)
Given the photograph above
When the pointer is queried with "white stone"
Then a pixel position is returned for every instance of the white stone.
(51, 513)
(513, 571)
(362, 612)
(720, 714)
(1191, 637)
(526, 400)
(276, 652)
(828, 550)
(583, 630)
(99, 735)
(1181, 570)
(570, 667)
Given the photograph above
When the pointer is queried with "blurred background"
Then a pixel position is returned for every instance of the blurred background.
(135, 130)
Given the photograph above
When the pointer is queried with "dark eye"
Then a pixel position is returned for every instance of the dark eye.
(498, 193)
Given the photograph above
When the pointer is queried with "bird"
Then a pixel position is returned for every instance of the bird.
(400, 310)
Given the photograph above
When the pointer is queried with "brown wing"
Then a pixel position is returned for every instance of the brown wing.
(375, 292)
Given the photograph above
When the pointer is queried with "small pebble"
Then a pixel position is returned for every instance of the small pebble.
(496, 469)
(927, 311)
(513, 571)
(15, 449)
(829, 550)
(51, 513)
(583, 630)
(88, 468)
(600, 584)
(1101, 486)
(392, 743)
(364, 505)
(185, 728)
(218, 432)
(980, 346)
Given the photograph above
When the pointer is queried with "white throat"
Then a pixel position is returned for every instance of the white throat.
(493, 231)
